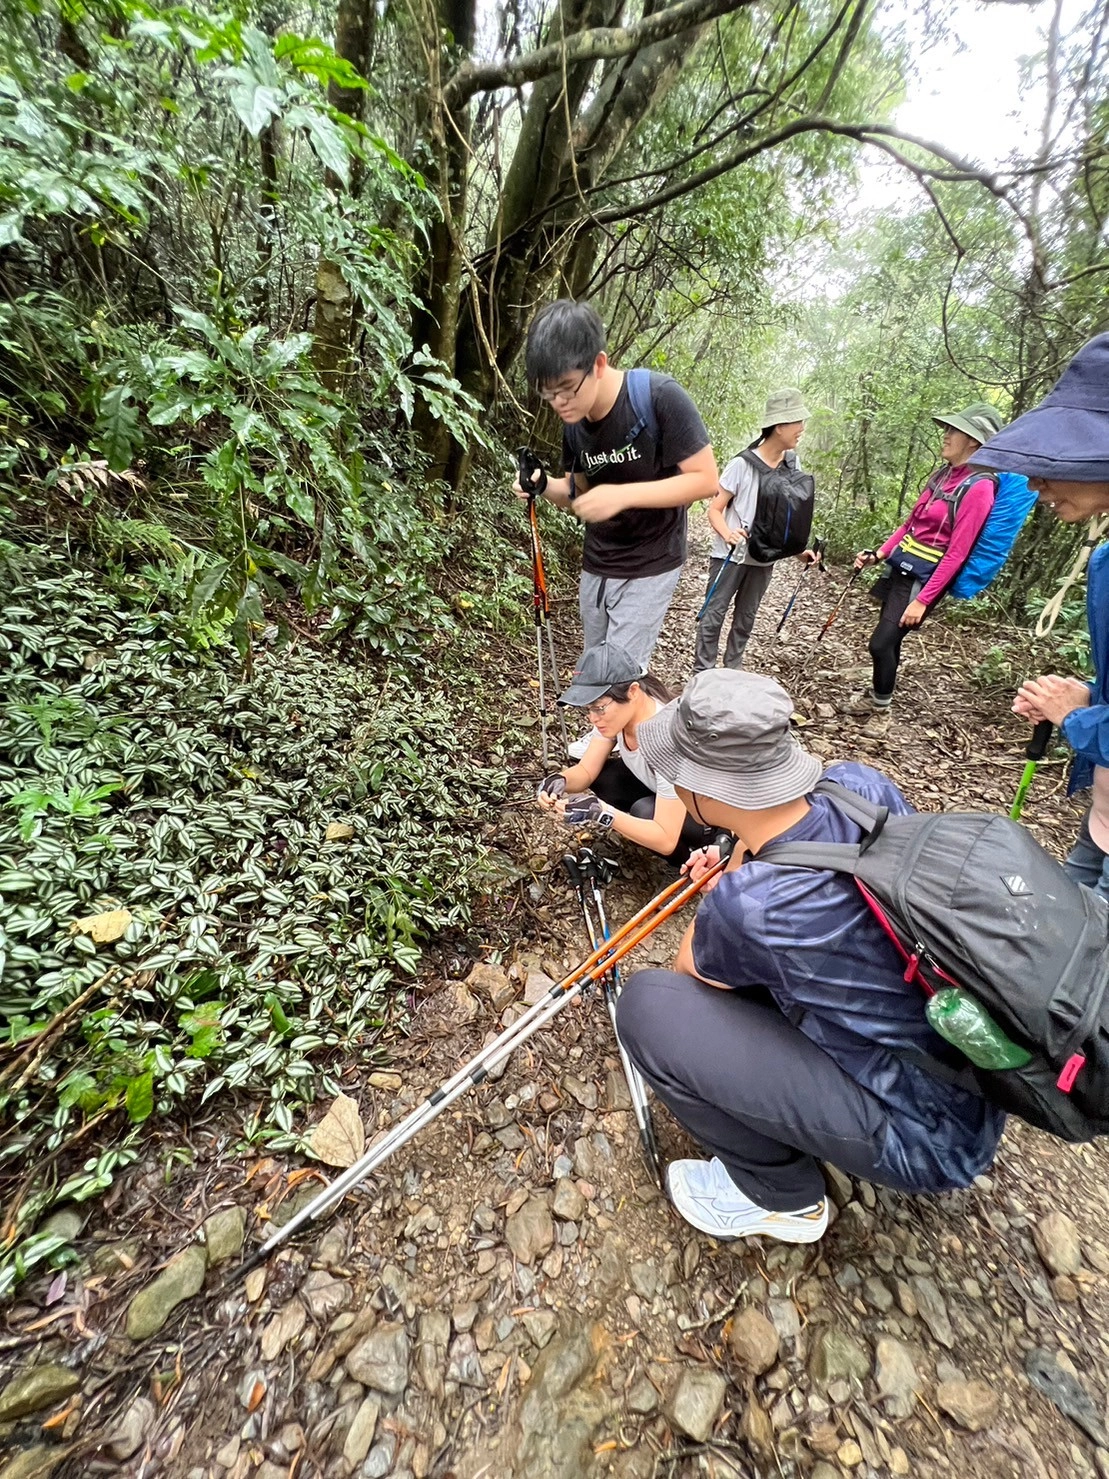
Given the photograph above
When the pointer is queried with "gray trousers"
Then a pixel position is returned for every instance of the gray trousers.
(753, 1089)
(745, 585)
(628, 613)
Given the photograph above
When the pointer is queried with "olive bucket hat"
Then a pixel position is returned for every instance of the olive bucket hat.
(784, 406)
(1065, 437)
(980, 421)
(728, 738)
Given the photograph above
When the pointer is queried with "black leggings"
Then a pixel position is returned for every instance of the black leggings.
(895, 591)
(626, 792)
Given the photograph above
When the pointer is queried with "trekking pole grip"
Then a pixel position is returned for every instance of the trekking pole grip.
(529, 469)
(1036, 748)
(573, 872)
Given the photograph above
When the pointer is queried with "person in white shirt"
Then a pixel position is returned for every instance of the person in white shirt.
(741, 582)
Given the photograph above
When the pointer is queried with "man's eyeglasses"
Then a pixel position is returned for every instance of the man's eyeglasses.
(601, 709)
(564, 394)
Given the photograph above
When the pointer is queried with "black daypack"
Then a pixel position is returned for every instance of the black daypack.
(971, 899)
(784, 511)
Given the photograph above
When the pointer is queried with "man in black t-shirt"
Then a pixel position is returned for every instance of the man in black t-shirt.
(636, 456)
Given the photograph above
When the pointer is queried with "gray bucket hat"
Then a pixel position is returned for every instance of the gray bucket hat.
(784, 406)
(980, 420)
(728, 738)
(596, 671)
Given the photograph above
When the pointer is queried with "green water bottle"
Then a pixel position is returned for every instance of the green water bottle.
(965, 1023)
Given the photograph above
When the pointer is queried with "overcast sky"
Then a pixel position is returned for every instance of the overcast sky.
(970, 93)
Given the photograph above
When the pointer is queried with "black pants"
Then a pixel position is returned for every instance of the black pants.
(754, 1090)
(626, 792)
(895, 591)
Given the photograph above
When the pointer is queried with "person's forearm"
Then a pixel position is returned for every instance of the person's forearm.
(558, 491)
(719, 523)
(644, 831)
(578, 779)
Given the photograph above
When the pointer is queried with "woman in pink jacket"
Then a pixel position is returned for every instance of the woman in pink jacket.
(925, 555)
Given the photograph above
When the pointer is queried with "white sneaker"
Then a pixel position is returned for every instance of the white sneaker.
(707, 1197)
(576, 748)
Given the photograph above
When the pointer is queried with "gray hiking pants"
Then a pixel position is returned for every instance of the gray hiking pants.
(752, 1088)
(745, 585)
(629, 613)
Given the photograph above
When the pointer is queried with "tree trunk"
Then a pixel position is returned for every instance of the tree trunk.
(334, 325)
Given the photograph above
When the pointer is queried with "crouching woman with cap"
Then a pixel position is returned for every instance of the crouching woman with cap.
(926, 553)
(786, 1033)
(613, 785)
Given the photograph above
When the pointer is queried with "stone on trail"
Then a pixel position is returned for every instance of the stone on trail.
(838, 1356)
(697, 1402)
(431, 1349)
(540, 1325)
(380, 1360)
(642, 1398)
(757, 1427)
(324, 1295)
(464, 1364)
(1058, 1243)
(932, 1309)
(754, 1340)
(825, 1471)
(897, 1377)
(224, 1233)
(133, 1427)
(972, 1404)
(34, 1463)
(492, 983)
(568, 1204)
(530, 1231)
(562, 1409)
(283, 1329)
(360, 1434)
(178, 1281)
(840, 1186)
(37, 1387)
(536, 987)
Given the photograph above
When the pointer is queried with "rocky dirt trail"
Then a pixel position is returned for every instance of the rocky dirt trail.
(512, 1299)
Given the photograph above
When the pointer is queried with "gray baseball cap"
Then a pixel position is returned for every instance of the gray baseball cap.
(784, 406)
(728, 738)
(597, 670)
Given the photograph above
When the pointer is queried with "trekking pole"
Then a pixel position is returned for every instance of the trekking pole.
(727, 561)
(1034, 752)
(533, 480)
(625, 939)
(818, 562)
(843, 595)
(600, 872)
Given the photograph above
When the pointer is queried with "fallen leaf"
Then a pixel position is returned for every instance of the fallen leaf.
(105, 928)
(257, 1393)
(340, 1137)
(338, 832)
(254, 1284)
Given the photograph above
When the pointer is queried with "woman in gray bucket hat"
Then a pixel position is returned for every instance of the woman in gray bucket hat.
(926, 553)
(786, 1033)
(1062, 447)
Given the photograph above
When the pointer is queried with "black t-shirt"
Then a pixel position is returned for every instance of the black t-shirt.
(639, 541)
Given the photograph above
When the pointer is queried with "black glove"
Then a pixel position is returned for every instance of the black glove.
(554, 786)
(588, 810)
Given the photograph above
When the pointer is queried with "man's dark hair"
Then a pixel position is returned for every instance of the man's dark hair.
(565, 336)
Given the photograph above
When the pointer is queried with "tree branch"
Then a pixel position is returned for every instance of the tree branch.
(595, 44)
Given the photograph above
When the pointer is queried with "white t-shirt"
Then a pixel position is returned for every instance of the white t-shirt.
(637, 764)
(741, 480)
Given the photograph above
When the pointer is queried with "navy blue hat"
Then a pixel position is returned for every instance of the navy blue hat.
(1066, 436)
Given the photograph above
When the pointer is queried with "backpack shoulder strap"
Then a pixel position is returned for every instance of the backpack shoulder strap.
(639, 393)
(838, 857)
